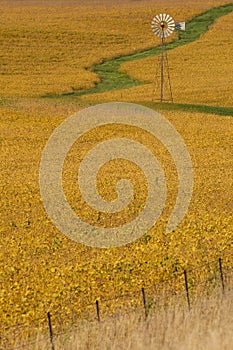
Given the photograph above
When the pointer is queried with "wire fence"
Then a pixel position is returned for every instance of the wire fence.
(144, 300)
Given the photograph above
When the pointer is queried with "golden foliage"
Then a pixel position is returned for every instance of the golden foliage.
(43, 270)
(47, 49)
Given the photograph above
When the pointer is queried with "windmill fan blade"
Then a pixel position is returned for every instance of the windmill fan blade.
(171, 28)
(170, 19)
(172, 23)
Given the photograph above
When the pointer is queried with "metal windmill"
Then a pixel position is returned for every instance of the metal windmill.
(163, 26)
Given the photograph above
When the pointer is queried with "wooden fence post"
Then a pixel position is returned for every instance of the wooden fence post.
(50, 331)
(98, 310)
(187, 289)
(144, 302)
(221, 275)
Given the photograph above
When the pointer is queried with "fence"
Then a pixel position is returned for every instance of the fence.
(143, 299)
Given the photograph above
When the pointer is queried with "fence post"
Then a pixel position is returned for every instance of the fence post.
(50, 331)
(98, 310)
(221, 275)
(187, 289)
(144, 302)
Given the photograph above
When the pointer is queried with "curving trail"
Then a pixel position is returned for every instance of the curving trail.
(112, 79)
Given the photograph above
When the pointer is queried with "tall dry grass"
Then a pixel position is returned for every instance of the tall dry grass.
(208, 326)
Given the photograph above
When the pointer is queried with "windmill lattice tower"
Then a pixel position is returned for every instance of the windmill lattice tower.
(163, 26)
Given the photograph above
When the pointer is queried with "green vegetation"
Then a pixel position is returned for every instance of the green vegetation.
(224, 111)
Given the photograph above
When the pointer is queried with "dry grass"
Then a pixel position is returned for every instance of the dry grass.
(207, 327)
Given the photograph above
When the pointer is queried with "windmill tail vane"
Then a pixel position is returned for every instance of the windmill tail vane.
(180, 26)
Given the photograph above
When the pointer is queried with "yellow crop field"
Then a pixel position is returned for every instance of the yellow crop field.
(44, 270)
(46, 49)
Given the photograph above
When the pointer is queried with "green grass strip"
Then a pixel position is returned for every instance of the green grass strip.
(223, 111)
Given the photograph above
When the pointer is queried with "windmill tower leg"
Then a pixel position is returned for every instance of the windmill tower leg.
(162, 78)
(169, 80)
(162, 72)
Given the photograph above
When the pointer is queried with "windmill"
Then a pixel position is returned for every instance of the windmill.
(163, 26)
